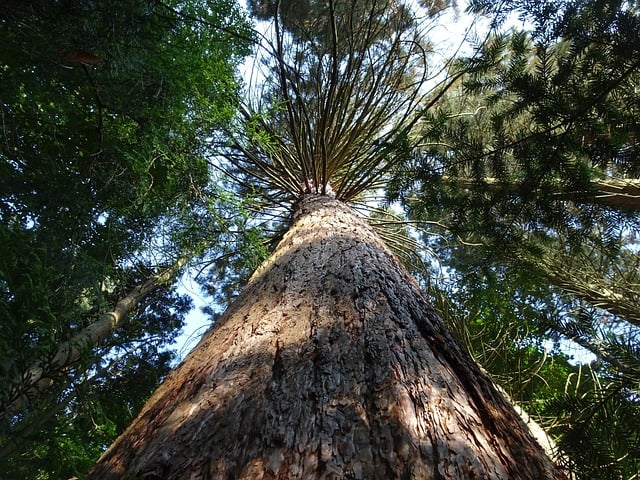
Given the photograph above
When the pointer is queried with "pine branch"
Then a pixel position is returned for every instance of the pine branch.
(623, 193)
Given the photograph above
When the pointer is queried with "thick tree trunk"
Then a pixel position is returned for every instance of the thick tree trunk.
(331, 364)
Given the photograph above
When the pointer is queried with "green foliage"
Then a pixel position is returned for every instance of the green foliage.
(600, 436)
(110, 112)
(339, 95)
(501, 315)
(106, 109)
(311, 20)
(516, 162)
(101, 409)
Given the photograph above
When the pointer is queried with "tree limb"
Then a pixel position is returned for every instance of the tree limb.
(623, 193)
(37, 377)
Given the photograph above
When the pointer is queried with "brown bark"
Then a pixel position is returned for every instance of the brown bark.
(331, 364)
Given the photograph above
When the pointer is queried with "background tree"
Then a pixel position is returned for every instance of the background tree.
(105, 108)
(521, 166)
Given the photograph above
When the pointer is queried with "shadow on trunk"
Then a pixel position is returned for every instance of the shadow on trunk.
(331, 364)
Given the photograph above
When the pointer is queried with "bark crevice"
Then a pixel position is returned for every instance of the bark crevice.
(352, 375)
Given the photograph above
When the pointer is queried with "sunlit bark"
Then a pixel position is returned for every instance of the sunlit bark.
(331, 364)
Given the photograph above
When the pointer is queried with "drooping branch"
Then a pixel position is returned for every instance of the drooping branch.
(617, 300)
(613, 291)
(345, 90)
(596, 346)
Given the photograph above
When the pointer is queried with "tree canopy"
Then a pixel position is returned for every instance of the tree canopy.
(523, 162)
(106, 108)
(531, 160)
(508, 180)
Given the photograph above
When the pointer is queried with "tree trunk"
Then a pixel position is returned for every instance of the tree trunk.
(331, 364)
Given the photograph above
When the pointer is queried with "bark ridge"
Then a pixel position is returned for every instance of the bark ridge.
(330, 365)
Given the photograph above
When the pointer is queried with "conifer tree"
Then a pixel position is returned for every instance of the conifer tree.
(331, 363)
(100, 154)
(533, 159)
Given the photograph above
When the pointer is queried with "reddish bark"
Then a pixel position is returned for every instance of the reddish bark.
(331, 364)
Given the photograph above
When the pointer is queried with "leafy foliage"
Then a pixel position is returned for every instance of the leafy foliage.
(106, 109)
(337, 101)
(524, 162)
(600, 435)
(519, 161)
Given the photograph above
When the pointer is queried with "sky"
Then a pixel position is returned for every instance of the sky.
(448, 35)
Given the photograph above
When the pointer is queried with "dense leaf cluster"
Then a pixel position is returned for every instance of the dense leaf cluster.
(532, 160)
(121, 153)
(105, 111)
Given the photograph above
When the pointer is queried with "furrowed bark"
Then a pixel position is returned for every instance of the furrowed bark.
(330, 364)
